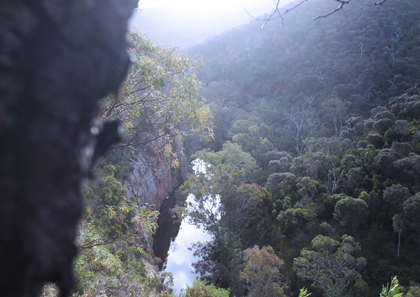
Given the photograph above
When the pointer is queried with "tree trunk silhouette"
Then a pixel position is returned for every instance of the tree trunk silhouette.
(57, 58)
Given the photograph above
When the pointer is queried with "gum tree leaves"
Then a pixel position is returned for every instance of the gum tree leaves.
(261, 272)
(332, 266)
(351, 213)
(159, 98)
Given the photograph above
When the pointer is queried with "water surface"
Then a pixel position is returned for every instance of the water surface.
(173, 238)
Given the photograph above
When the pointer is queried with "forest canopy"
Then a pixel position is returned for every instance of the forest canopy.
(336, 172)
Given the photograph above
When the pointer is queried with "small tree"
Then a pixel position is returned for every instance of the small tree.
(332, 266)
(261, 272)
(411, 209)
(396, 195)
(351, 213)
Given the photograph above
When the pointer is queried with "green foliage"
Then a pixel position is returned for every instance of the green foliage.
(391, 290)
(115, 212)
(305, 213)
(330, 265)
(351, 213)
(93, 263)
(411, 209)
(108, 240)
(231, 155)
(100, 265)
(330, 202)
(396, 195)
(311, 116)
(200, 289)
(50, 290)
(220, 262)
(158, 100)
(222, 205)
(304, 293)
(111, 189)
(222, 199)
(252, 138)
(308, 188)
(261, 272)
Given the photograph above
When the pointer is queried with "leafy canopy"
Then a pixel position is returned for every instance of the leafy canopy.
(332, 266)
(158, 100)
(261, 272)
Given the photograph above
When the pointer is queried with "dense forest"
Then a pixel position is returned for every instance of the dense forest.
(306, 158)
(312, 158)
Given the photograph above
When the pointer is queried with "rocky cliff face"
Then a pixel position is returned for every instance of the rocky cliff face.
(153, 177)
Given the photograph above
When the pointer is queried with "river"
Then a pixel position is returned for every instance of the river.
(173, 238)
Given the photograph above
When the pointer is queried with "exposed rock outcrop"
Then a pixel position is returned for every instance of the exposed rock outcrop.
(153, 177)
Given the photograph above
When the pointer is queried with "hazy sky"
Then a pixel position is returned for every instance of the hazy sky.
(212, 6)
(189, 22)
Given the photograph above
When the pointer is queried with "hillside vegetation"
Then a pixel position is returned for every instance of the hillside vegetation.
(307, 161)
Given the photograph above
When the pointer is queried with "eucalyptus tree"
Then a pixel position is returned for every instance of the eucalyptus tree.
(411, 209)
(351, 213)
(299, 124)
(158, 101)
(332, 266)
(396, 195)
(222, 194)
(399, 223)
(261, 272)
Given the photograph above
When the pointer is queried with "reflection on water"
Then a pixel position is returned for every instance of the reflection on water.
(172, 240)
(179, 258)
(168, 229)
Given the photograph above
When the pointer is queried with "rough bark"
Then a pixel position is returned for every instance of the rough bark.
(57, 58)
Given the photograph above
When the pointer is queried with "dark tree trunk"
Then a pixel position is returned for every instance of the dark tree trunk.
(57, 58)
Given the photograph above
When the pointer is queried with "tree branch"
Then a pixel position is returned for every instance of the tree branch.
(112, 241)
(403, 95)
(280, 15)
(380, 2)
(342, 3)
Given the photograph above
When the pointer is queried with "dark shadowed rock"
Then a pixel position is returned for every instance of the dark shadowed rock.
(57, 58)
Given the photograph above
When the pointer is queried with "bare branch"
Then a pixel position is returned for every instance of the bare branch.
(251, 16)
(269, 18)
(126, 155)
(342, 3)
(380, 2)
(296, 6)
(280, 15)
(133, 231)
(403, 95)
(340, 6)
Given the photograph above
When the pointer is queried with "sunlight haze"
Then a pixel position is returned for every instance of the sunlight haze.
(185, 23)
(206, 7)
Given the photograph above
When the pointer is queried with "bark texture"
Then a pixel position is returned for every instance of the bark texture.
(57, 58)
